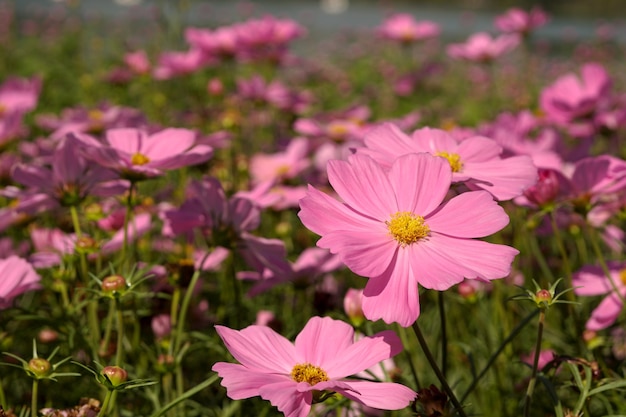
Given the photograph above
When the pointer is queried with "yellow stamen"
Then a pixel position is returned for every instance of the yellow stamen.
(453, 159)
(139, 159)
(305, 372)
(407, 228)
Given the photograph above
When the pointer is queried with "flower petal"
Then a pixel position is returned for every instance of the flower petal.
(591, 280)
(605, 313)
(393, 295)
(259, 348)
(471, 214)
(381, 395)
(241, 382)
(503, 178)
(321, 339)
(286, 397)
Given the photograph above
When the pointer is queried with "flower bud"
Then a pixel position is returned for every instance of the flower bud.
(39, 367)
(352, 305)
(543, 296)
(115, 374)
(114, 284)
(86, 244)
(545, 190)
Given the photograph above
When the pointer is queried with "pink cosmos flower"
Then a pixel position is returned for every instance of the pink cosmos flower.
(404, 28)
(516, 20)
(571, 101)
(266, 38)
(324, 355)
(481, 47)
(51, 247)
(18, 277)
(136, 155)
(394, 227)
(591, 280)
(282, 165)
(17, 97)
(171, 64)
(137, 61)
(475, 161)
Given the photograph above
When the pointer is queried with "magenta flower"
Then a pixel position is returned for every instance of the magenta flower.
(404, 28)
(395, 228)
(481, 47)
(591, 280)
(475, 161)
(136, 155)
(516, 20)
(572, 102)
(294, 376)
(18, 277)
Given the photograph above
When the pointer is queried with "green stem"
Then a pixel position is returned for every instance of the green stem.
(444, 337)
(108, 328)
(186, 395)
(566, 264)
(127, 218)
(605, 268)
(500, 349)
(33, 399)
(533, 377)
(119, 353)
(3, 399)
(435, 368)
(106, 404)
(402, 332)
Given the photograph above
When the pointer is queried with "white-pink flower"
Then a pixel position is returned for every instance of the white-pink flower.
(292, 376)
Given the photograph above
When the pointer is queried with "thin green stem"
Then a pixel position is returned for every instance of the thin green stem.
(119, 353)
(560, 244)
(109, 326)
(435, 368)
(33, 399)
(3, 398)
(127, 218)
(444, 337)
(106, 404)
(186, 395)
(500, 349)
(533, 377)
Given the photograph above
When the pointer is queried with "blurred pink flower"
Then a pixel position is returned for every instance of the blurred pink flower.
(394, 227)
(591, 280)
(282, 165)
(571, 101)
(51, 247)
(475, 161)
(291, 376)
(353, 305)
(481, 47)
(18, 277)
(138, 61)
(545, 357)
(137, 155)
(171, 64)
(404, 28)
(516, 20)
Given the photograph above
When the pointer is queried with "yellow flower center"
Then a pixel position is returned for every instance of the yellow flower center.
(622, 276)
(305, 372)
(407, 228)
(453, 159)
(139, 159)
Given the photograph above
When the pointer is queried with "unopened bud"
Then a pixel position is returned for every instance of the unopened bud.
(115, 374)
(39, 367)
(114, 284)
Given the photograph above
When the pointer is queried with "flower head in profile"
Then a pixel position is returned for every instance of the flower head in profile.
(482, 47)
(292, 376)
(137, 155)
(591, 280)
(18, 277)
(404, 28)
(394, 227)
(516, 20)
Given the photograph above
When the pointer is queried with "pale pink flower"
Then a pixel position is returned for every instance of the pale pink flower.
(353, 305)
(394, 227)
(173, 63)
(404, 28)
(137, 61)
(475, 161)
(591, 280)
(516, 20)
(481, 47)
(572, 102)
(322, 358)
(137, 155)
(281, 166)
(51, 247)
(545, 357)
(18, 277)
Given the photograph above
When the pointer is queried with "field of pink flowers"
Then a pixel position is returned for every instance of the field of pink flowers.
(390, 224)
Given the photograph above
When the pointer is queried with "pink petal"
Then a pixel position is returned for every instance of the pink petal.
(606, 313)
(363, 185)
(471, 214)
(321, 339)
(381, 395)
(33, 176)
(358, 249)
(420, 182)
(363, 354)
(194, 156)
(591, 280)
(433, 141)
(259, 348)
(444, 261)
(241, 382)
(127, 140)
(323, 214)
(393, 296)
(386, 142)
(478, 149)
(286, 397)
(503, 178)
(167, 143)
